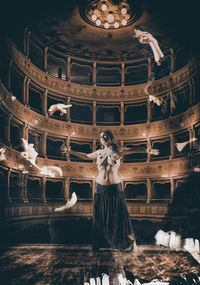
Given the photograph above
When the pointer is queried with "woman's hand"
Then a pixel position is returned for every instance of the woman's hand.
(197, 169)
(153, 151)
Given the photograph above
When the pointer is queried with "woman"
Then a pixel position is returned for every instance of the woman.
(111, 222)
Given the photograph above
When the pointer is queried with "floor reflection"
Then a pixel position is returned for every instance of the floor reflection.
(76, 264)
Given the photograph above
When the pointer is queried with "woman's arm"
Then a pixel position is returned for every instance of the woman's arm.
(131, 150)
(82, 155)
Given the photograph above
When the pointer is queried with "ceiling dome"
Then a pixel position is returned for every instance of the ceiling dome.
(67, 32)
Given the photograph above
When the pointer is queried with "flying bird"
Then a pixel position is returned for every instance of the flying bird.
(70, 203)
(62, 108)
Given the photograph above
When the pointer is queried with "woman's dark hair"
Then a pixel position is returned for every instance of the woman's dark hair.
(114, 144)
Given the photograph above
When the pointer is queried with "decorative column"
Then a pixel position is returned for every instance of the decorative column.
(191, 136)
(172, 146)
(172, 60)
(94, 113)
(24, 187)
(25, 129)
(24, 89)
(68, 110)
(94, 74)
(122, 113)
(45, 58)
(148, 147)
(27, 92)
(66, 188)
(44, 145)
(122, 74)
(149, 68)
(68, 146)
(148, 111)
(171, 105)
(149, 186)
(172, 189)
(44, 189)
(44, 102)
(68, 75)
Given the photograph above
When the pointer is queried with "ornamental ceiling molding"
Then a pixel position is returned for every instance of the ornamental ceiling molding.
(125, 93)
(63, 129)
(88, 171)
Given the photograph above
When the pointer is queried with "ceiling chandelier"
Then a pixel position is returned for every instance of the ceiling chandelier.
(109, 14)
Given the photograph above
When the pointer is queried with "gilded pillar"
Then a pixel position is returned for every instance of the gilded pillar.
(27, 92)
(94, 74)
(68, 146)
(148, 147)
(122, 74)
(24, 89)
(149, 188)
(172, 146)
(25, 129)
(66, 188)
(122, 113)
(24, 187)
(44, 145)
(44, 189)
(94, 113)
(149, 68)
(44, 102)
(172, 189)
(45, 58)
(68, 69)
(68, 110)
(148, 111)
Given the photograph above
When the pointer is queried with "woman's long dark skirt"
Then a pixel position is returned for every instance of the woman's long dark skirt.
(111, 222)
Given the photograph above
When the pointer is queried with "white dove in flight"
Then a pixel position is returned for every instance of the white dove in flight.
(58, 107)
(70, 203)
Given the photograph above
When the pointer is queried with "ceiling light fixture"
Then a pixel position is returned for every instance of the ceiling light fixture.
(109, 14)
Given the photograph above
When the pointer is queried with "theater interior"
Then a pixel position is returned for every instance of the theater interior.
(84, 53)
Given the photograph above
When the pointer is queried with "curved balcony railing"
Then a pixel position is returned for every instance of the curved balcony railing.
(162, 169)
(63, 129)
(101, 93)
(100, 73)
(31, 195)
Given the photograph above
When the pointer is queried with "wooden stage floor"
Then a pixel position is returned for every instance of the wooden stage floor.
(73, 264)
